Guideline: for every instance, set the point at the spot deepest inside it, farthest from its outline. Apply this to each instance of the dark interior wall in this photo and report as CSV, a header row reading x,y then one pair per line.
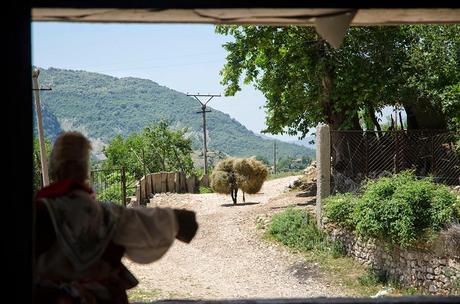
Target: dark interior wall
x,y
16,110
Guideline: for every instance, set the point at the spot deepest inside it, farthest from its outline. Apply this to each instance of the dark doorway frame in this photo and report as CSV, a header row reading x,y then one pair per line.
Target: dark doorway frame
x,y
17,112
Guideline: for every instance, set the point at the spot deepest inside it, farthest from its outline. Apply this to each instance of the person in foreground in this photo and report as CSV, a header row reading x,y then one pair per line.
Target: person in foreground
x,y
80,242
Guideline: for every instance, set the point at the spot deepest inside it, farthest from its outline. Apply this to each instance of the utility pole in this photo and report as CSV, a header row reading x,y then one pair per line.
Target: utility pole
x,y
203,112
274,157
41,140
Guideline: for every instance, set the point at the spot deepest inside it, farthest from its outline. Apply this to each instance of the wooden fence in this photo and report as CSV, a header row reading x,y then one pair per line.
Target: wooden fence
x,y
162,182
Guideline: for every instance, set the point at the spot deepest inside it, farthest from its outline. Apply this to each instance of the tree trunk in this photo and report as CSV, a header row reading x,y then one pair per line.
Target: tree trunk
x,y
422,115
342,149
371,112
337,120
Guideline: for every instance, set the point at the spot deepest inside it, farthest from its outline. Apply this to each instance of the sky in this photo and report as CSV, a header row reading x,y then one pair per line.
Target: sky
x,y
183,57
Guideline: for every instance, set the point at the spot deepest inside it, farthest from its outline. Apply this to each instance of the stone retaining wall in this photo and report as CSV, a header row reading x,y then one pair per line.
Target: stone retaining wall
x,y
420,268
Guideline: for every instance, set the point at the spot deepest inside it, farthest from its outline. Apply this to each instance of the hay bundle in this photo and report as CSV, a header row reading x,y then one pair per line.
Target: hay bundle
x,y
231,174
251,174
225,165
219,182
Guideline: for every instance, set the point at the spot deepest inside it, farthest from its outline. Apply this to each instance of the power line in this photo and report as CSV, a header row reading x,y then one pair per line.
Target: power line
x,y
203,112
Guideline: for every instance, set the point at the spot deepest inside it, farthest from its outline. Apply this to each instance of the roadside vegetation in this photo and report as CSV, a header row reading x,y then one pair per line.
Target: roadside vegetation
x,y
297,229
401,210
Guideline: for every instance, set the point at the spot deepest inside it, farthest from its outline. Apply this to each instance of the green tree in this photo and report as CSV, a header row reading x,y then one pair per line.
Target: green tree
x,y
172,148
263,160
37,170
156,148
290,164
305,81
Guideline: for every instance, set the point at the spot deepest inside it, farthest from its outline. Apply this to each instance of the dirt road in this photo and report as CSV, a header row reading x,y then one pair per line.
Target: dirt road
x,y
228,258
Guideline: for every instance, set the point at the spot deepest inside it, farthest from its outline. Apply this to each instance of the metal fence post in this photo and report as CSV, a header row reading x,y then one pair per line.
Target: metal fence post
x,y
396,157
123,185
367,154
323,168
433,158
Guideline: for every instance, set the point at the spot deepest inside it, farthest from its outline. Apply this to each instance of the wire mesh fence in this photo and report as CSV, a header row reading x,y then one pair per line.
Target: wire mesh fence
x,y
109,185
356,155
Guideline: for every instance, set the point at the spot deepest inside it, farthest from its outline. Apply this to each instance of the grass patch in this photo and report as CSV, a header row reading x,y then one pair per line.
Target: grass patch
x,y
204,190
297,229
346,272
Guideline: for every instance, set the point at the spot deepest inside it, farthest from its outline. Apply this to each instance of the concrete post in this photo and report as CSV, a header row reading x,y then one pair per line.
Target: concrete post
x,y
323,168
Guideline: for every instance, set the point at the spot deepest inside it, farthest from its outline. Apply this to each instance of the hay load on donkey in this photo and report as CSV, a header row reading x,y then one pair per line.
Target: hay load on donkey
x,y
232,174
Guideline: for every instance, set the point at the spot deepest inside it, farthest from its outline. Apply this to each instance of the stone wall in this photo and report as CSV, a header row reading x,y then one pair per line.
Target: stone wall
x,y
423,269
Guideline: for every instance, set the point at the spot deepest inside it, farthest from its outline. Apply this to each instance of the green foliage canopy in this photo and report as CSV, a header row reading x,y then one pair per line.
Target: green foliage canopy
x,y
157,148
305,81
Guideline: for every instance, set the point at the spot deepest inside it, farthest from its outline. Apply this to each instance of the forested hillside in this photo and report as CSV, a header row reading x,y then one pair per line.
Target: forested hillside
x,y
103,106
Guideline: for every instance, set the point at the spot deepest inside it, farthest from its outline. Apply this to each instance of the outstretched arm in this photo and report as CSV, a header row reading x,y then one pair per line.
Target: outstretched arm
x,y
148,233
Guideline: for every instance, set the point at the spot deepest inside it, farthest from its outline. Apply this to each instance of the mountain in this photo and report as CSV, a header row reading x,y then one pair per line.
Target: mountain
x,y
50,123
102,106
308,142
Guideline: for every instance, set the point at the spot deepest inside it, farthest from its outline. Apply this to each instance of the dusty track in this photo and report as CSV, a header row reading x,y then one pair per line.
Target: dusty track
x,y
228,258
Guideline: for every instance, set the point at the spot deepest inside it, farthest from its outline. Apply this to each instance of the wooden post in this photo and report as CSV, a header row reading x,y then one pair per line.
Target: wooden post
x,y
164,182
157,182
191,184
177,182
170,180
148,185
183,182
138,193
204,182
143,195
323,168
41,140
145,176
152,185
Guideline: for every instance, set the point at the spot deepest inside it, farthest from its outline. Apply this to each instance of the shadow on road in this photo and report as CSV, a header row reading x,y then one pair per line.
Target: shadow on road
x,y
240,204
308,203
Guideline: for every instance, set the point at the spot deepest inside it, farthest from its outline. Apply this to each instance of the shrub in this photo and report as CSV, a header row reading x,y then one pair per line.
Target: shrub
x,y
297,229
339,208
204,190
445,206
401,209
457,209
